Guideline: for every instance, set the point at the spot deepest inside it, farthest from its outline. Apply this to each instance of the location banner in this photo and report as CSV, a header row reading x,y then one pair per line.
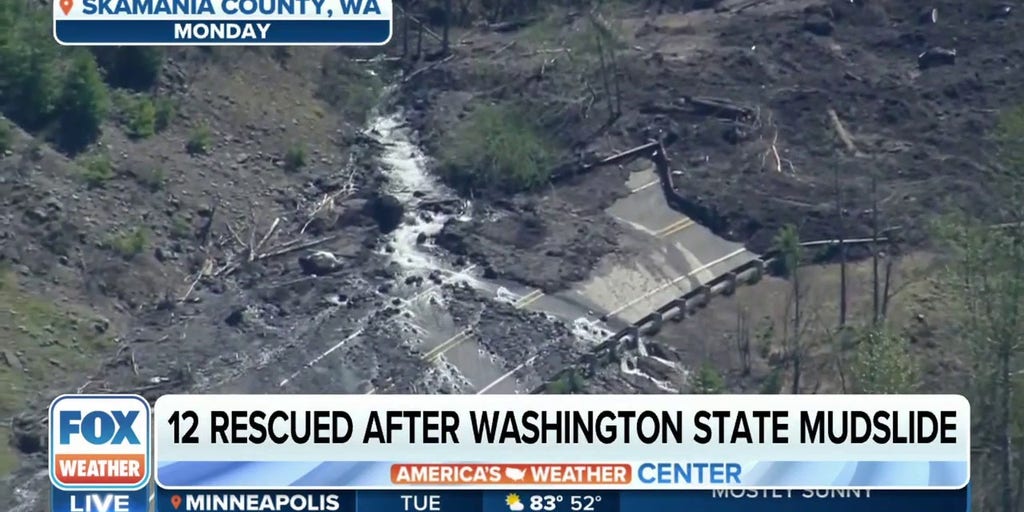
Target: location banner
x,y
222,22
562,501
628,442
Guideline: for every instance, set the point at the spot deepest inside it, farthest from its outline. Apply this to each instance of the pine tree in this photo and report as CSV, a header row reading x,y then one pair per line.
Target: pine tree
x,y
83,104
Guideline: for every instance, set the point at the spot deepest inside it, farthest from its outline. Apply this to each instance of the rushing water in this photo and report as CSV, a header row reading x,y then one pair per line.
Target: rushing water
x,y
410,181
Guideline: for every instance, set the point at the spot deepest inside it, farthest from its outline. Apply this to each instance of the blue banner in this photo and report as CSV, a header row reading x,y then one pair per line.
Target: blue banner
x,y
557,501
222,32
99,501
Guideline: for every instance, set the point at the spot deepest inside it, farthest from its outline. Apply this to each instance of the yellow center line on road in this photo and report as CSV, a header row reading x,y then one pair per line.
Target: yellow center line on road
x,y
645,186
673,282
674,228
528,299
435,353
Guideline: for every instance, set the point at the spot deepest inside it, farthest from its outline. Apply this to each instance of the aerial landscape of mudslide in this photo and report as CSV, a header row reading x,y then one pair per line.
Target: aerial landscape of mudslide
x,y
517,212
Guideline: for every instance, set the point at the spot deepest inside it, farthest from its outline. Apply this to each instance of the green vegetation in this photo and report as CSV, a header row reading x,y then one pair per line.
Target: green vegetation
x,y
882,364
139,117
568,383
129,243
708,381
52,91
496,147
181,228
295,158
83,103
165,112
152,179
30,80
349,88
6,136
131,67
97,170
42,343
199,141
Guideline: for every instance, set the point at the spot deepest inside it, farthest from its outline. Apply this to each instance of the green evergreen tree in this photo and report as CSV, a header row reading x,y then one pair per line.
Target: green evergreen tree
x,y
28,67
83,104
131,67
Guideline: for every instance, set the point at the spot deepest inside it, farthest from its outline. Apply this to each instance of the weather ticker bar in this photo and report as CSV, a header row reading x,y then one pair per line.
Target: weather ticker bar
x,y
464,453
846,500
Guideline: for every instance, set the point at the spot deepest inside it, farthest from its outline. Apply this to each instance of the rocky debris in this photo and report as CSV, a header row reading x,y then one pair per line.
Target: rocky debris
x,y
27,434
819,25
386,210
935,57
236,317
320,263
1001,11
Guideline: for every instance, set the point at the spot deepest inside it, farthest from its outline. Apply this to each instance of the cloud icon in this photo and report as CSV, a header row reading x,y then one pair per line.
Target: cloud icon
x,y
517,506
514,474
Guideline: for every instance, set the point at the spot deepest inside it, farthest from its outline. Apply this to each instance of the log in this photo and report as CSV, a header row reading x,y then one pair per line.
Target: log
x,y
717,107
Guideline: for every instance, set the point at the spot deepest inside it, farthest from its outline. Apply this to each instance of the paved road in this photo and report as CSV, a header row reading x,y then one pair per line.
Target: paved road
x,y
668,255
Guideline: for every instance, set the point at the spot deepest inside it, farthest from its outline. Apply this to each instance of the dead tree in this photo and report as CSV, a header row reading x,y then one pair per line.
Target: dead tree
x,y
840,218
876,302
605,38
405,29
445,43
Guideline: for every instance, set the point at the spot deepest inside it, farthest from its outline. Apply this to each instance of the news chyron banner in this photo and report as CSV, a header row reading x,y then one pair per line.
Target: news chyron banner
x,y
222,22
498,453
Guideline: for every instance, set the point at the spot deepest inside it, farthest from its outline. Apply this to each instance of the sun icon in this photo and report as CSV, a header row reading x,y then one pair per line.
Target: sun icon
x,y
513,502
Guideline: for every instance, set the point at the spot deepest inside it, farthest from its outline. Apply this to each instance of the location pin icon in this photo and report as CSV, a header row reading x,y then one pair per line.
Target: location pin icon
x,y
175,500
66,5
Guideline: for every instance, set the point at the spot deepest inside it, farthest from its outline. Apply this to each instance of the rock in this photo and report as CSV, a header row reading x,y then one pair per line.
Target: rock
x,y
236,318
936,56
36,216
160,254
819,25
386,210
100,325
319,263
421,238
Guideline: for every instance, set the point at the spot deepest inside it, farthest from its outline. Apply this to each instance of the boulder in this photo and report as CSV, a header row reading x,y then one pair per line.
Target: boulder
x,y
386,210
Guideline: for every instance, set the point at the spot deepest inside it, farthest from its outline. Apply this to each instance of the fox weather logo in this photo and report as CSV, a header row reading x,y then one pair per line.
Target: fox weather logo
x,y
99,442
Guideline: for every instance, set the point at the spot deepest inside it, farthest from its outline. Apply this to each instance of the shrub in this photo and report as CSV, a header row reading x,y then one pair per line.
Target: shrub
x,y
295,158
153,179
165,112
199,141
97,170
140,118
496,147
129,244
708,381
83,103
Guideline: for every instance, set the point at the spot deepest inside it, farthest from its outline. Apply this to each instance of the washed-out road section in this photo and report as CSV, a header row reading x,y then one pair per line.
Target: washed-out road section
x,y
429,345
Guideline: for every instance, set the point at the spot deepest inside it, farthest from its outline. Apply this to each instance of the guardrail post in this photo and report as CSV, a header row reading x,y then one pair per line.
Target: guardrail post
x,y
730,284
679,306
653,324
